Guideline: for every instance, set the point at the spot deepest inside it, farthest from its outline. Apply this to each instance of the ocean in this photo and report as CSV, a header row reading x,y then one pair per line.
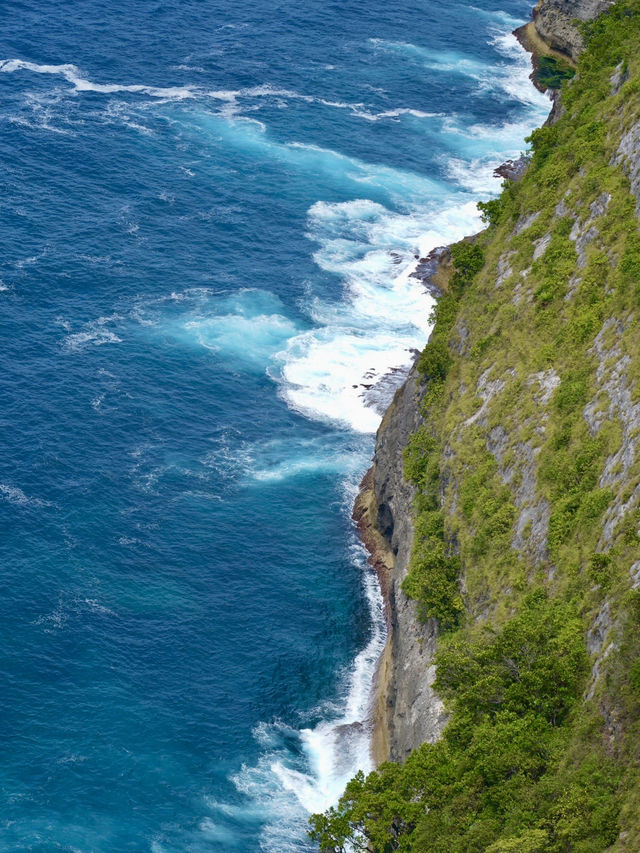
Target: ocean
x,y
210,217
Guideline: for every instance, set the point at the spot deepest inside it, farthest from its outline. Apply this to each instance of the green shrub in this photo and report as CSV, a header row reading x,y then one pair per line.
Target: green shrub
x,y
533,841
492,782
434,570
600,569
552,72
634,678
435,360
491,211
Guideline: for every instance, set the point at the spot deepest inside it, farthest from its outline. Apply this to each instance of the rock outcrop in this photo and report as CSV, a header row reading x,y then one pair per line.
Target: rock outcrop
x,y
408,712
554,22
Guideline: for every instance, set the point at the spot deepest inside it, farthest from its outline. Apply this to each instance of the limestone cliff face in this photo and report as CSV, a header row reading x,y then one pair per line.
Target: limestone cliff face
x,y
408,711
554,19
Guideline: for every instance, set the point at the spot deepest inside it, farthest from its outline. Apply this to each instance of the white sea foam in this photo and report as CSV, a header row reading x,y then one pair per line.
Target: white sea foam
x,y
69,609
235,102
309,459
183,67
359,109
15,495
244,328
515,75
217,833
243,338
324,372
511,77
94,333
305,770
54,621
250,464
327,368
451,62
343,171
94,606
73,75
328,371
395,113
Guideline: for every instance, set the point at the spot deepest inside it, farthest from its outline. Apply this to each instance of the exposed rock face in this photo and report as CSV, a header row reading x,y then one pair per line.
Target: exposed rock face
x,y
615,400
512,170
408,712
434,271
584,233
628,159
554,22
619,78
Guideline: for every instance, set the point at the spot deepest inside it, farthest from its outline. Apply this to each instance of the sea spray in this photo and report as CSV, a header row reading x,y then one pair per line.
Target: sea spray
x,y
305,770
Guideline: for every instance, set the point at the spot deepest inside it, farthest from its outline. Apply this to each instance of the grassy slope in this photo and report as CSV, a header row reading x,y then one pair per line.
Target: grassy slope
x,y
540,656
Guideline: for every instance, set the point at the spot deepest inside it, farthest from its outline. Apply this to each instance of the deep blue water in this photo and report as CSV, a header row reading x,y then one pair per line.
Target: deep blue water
x,y
209,216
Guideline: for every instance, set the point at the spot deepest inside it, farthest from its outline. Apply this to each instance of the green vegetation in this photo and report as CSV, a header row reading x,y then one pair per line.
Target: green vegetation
x,y
527,510
491,211
435,359
552,72
493,781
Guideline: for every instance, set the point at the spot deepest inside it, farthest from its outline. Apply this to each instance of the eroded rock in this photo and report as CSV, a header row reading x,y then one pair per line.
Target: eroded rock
x,y
584,233
408,712
614,400
627,157
554,22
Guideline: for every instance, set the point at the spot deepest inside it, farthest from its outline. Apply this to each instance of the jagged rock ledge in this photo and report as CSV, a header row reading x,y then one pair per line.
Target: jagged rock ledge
x,y
553,23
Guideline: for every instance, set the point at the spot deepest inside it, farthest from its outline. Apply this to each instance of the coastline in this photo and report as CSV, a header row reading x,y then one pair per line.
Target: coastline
x,y
534,44
405,710
523,528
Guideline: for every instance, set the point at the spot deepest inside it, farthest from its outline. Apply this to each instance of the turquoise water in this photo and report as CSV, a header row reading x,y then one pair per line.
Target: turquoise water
x,y
210,215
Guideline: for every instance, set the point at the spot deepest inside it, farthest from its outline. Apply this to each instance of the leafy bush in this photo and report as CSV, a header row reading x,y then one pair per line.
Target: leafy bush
x,y
435,359
491,211
434,572
552,72
468,260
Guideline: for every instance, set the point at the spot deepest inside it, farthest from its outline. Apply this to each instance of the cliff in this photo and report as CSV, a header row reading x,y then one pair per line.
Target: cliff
x,y
554,22
503,507
407,711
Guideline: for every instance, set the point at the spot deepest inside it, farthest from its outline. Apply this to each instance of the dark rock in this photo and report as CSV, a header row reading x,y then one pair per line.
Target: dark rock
x,y
512,170
431,270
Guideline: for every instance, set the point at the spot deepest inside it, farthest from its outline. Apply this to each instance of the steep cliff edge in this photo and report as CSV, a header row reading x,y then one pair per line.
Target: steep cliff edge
x,y
516,445
407,711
